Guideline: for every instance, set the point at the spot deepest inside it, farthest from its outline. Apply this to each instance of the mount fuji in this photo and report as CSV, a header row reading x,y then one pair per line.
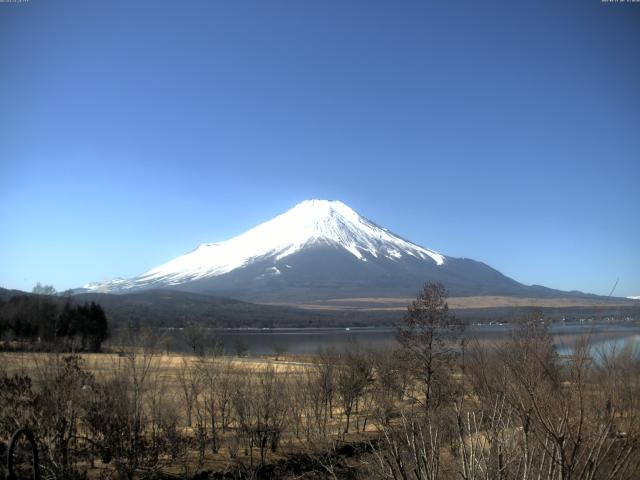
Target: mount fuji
x,y
317,251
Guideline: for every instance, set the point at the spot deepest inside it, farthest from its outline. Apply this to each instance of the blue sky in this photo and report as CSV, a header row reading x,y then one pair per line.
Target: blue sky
x,y
507,132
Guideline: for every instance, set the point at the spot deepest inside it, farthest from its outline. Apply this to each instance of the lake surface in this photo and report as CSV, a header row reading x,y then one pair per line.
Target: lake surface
x,y
305,341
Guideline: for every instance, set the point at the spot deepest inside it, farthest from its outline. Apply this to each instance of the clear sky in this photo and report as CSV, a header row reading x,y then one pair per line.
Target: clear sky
x,y
507,132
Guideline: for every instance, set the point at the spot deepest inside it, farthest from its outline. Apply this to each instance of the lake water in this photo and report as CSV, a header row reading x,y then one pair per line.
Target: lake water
x,y
304,341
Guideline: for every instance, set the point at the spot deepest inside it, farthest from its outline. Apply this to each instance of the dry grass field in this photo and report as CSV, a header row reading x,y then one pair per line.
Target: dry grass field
x,y
170,381
392,304
145,413
103,365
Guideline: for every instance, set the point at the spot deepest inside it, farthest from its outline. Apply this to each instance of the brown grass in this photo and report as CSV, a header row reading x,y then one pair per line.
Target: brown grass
x,y
400,303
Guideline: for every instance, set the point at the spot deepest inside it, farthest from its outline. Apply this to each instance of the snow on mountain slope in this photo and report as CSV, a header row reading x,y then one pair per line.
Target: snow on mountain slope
x,y
312,222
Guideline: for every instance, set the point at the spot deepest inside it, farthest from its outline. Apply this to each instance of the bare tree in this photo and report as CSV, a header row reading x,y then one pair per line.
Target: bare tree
x,y
60,401
539,416
215,379
410,450
261,411
353,375
427,337
120,421
202,339
189,382
241,347
280,350
326,361
391,381
40,289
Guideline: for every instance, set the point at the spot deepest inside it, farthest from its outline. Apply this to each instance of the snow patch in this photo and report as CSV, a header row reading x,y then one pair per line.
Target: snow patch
x,y
273,271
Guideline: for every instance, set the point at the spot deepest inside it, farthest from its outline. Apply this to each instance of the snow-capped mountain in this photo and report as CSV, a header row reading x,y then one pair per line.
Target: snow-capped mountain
x,y
319,249
310,223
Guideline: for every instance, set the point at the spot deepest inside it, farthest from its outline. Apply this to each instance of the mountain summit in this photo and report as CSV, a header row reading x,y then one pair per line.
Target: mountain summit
x,y
319,249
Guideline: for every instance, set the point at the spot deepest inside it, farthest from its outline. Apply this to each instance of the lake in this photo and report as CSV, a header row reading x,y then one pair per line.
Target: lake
x,y
305,341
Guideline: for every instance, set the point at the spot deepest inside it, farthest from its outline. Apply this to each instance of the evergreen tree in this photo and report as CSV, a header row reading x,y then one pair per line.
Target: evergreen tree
x,y
97,327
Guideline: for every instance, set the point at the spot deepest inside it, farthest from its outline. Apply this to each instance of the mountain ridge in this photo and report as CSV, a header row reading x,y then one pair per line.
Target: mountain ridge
x,y
320,249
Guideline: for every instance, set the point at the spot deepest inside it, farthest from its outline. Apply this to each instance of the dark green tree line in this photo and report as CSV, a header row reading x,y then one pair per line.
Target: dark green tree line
x,y
45,320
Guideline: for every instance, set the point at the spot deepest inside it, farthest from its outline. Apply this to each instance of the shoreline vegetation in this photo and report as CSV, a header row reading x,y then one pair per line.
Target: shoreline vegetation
x,y
441,404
